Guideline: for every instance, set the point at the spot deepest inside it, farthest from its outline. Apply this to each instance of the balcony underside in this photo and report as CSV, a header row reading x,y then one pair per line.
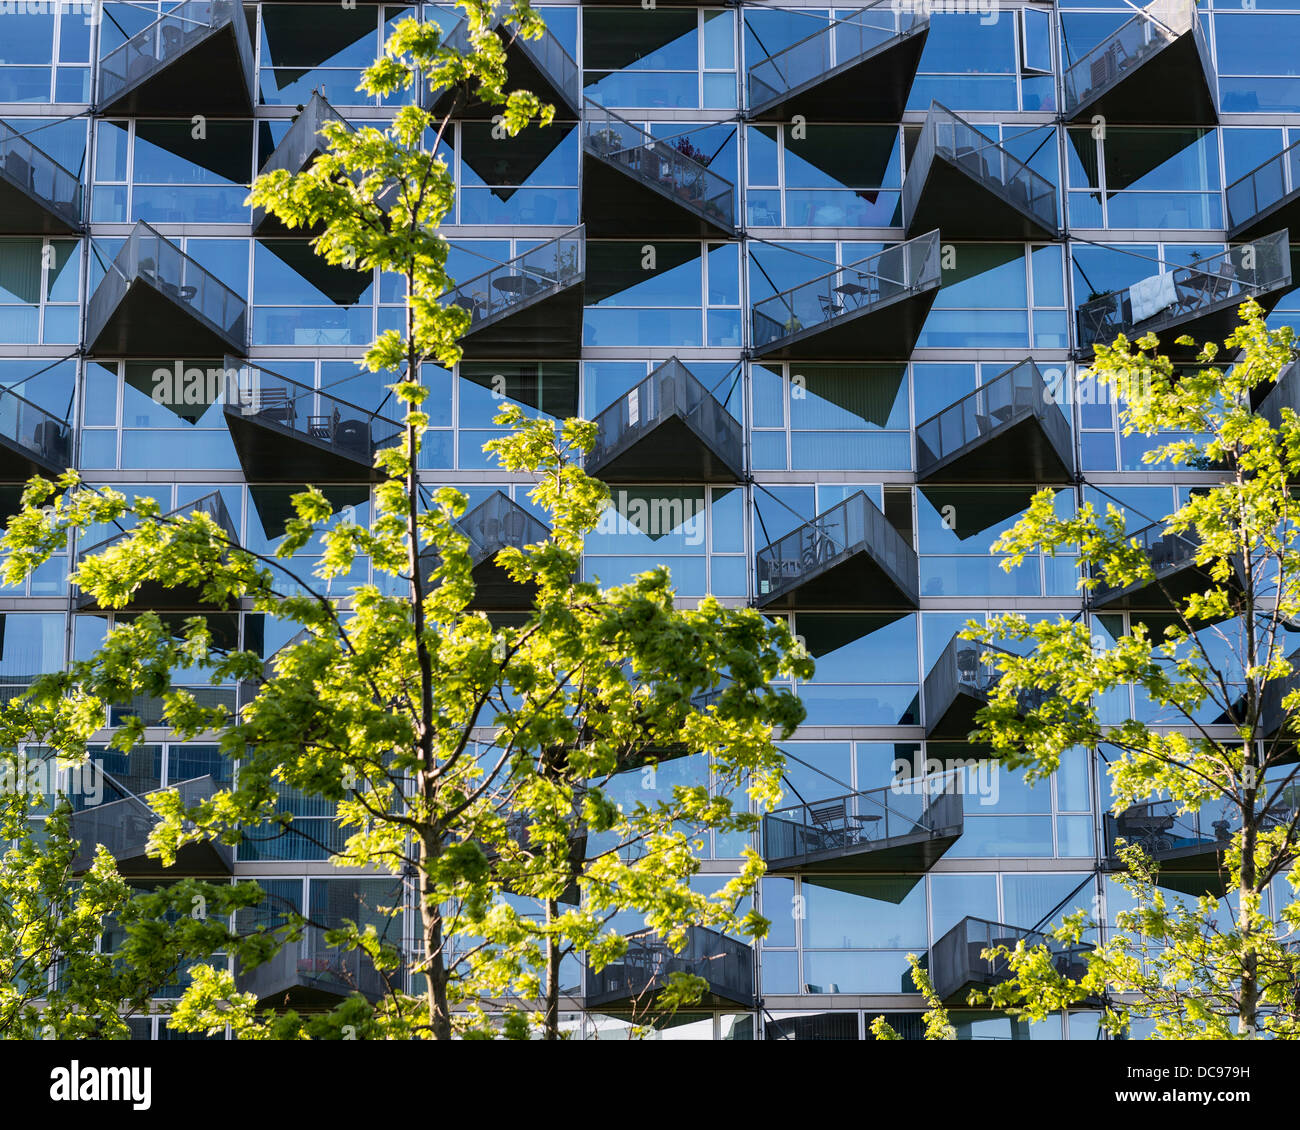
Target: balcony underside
x,y
209,78
616,202
672,451
1167,592
551,327
133,863
148,323
869,88
639,1000
273,453
886,332
493,589
1170,88
957,719
299,990
962,206
25,213
918,851
853,580
157,597
1283,213
1018,450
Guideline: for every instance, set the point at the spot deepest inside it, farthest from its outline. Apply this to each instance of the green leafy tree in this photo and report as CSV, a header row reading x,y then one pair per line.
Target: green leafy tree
x,y
477,757
1211,666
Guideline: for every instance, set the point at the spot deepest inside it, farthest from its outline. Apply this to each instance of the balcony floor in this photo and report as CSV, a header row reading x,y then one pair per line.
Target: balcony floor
x,y
548,328
962,206
872,87
673,451
1017,451
1170,88
916,852
853,580
148,323
208,78
616,202
270,452
886,332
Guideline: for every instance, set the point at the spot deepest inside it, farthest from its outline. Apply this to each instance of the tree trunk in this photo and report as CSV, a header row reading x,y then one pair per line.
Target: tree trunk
x,y
435,967
551,1020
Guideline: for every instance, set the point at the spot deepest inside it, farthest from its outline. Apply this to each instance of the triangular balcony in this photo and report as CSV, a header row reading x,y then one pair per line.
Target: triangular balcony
x,y
969,187
529,308
960,683
956,966
124,826
286,432
155,301
540,65
847,557
865,311
856,69
889,829
1200,300
199,55
496,523
1155,70
311,974
668,428
633,184
1183,841
633,981
1009,430
1278,726
1266,198
154,595
1176,574
298,148
32,441
38,196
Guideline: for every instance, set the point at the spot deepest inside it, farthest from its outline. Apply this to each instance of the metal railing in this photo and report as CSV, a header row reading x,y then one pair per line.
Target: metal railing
x,y
1264,186
860,822
855,525
658,164
1214,283
499,523
1159,829
991,407
839,43
1136,41
958,142
727,964
524,280
213,505
866,284
962,668
303,138
312,964
39,175
547,54
1285,393
671,389
124,825
312,414
152,258
167,39
956,961
43,436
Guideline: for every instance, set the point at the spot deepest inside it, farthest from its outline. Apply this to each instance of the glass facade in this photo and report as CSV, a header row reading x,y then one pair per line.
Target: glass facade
x,y
741,178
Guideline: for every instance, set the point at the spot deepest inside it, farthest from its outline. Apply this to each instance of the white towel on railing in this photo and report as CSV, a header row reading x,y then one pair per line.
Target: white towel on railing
x,y
1151,295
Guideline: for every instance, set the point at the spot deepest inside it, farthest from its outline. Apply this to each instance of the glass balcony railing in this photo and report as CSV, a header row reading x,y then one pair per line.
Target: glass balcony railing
x,y
1112,62
855,528
856,826
848,292
1285,393
659,165
1167,835
177,35
302,142
838,46
543,58
523,281
1277,724
1264,190
956,963
961,145
213,505
670,393
124,826
1176,573
314,972
961,439
499,523
151,260
1183,297
41,179
727,964
39,440
335,433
